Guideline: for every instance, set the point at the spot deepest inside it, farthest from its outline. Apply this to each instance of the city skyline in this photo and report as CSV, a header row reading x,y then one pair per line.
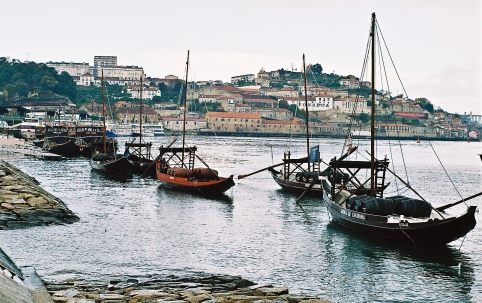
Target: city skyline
x,y
435,44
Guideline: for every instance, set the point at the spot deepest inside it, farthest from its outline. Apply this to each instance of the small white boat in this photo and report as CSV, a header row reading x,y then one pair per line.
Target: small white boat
x,y
156,129
145,133
124,130
26,129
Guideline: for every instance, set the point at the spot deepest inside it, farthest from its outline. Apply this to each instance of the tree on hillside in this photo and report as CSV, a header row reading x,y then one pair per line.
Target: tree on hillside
x,y
317,69
169,94
297,112
18,79
363,118
283,104
425,104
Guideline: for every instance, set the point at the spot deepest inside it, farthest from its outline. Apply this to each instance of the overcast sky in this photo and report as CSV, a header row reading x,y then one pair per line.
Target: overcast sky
x,y
435,44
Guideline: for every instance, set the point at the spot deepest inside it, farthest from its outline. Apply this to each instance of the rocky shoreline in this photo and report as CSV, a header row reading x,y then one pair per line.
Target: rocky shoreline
x,y
195,289
23,203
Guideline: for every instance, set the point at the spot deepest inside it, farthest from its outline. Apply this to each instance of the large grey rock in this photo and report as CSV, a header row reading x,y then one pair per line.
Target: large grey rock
x,y
4,192
10,198
150,294
7,206
67,293
8,217
17,201
271,291
38,202
18,224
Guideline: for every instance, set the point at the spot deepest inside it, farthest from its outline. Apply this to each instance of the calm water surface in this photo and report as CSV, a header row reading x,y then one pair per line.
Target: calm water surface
x,y
134,227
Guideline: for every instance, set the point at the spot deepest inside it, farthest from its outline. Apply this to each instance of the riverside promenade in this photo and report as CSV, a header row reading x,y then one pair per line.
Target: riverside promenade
x,y
24,203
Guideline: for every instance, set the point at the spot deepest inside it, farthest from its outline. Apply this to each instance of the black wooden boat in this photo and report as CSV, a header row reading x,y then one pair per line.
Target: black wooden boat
x,y
361,206
298,175
139,153
63,146
91,138
294,178
432,230
109,162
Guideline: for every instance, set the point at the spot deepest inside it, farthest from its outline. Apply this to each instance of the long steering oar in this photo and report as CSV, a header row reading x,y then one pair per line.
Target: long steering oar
x,y
442,208
258,171
306,190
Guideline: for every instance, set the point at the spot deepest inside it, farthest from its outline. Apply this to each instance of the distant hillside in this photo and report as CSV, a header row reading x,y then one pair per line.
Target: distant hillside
x,y
23,80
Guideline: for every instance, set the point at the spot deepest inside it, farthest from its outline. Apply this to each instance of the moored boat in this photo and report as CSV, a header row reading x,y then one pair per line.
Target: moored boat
x,y
299,175
105,161
25,129
139,153
201,180
62,146
430,229
175,166
354,195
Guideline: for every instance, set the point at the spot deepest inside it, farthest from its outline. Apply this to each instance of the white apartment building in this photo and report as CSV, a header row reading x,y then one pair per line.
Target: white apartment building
x,y
122,72
85,80
282,92
73,69
147,92
349,105
101,62
245,78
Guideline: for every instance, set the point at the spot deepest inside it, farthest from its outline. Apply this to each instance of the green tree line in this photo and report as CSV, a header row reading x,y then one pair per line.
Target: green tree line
x,y
19,79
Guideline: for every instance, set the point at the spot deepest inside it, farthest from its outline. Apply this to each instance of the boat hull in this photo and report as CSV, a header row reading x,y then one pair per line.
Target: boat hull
x,y
431,232
142,165
204,187
295,186
66,149
117,166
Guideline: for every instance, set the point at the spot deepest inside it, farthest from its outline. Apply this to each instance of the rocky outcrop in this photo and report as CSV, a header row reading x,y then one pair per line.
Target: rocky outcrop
x,y
23,203
203,288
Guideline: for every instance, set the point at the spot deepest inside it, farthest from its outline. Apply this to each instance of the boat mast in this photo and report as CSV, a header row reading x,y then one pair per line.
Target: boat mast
x,y
140,119
372,127
184,119
103,112
307,118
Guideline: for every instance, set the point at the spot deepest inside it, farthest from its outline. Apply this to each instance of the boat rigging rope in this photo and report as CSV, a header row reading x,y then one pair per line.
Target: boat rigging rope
x,y
382,60
447,173
362,76
390,56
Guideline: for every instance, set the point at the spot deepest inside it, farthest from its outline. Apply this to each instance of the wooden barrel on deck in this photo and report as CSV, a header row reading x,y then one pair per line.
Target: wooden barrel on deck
x,y
199,173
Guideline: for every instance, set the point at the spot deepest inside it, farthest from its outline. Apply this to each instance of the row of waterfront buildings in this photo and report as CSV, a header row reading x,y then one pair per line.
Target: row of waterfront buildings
x,y
261,108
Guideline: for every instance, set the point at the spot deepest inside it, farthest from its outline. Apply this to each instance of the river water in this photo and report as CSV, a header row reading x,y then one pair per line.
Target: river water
x,y
134,227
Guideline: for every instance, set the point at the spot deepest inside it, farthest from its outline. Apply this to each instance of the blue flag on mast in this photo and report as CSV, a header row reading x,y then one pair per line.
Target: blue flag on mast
x,y
315,154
